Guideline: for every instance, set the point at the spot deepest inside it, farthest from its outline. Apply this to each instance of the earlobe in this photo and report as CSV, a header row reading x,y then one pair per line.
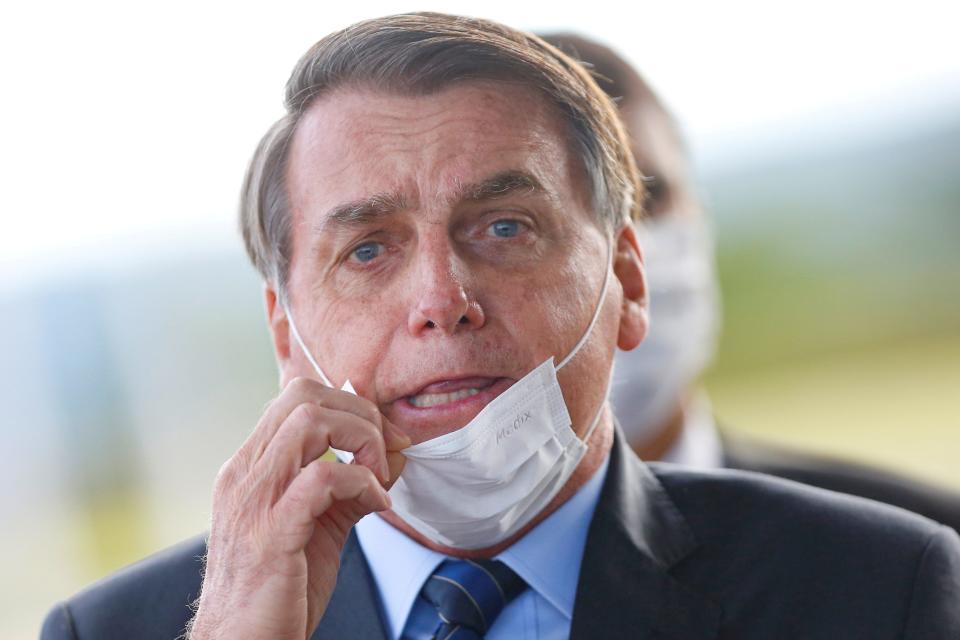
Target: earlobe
x,y
628,267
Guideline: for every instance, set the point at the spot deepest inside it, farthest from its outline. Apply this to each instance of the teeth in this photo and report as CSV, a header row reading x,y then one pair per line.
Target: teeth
x,y
433,399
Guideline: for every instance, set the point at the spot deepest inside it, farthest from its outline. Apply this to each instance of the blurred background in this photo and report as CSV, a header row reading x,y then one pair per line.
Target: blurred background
x,y
135,357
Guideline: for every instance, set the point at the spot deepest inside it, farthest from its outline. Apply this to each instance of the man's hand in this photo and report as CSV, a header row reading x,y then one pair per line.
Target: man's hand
x,y
281,515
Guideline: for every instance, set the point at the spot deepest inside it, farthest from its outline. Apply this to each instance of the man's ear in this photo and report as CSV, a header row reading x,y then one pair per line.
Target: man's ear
x,y
279,330
628,267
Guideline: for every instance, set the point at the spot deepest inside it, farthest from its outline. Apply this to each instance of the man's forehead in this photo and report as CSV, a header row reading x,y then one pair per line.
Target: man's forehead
x,y
480,114
489,95
357,143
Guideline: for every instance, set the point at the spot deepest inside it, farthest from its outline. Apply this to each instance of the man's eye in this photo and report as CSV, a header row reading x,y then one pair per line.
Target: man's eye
x,y
505,228
367,251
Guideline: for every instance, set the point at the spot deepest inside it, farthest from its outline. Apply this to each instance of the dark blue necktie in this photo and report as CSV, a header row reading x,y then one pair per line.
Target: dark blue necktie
x,y
469,595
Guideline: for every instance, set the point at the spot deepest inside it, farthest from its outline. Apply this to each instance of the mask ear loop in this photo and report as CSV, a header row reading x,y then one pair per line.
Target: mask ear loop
x,y
596,313
596,418
583,339
343,456
303,347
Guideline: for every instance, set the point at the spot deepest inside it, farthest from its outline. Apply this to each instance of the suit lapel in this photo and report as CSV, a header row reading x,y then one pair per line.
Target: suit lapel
x,y
354,609
636,536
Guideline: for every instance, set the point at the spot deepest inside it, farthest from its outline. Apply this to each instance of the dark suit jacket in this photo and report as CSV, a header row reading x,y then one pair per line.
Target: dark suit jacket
x,y
670,554
741,452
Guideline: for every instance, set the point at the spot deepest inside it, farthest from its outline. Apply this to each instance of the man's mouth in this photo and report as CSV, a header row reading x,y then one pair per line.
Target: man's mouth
x,y
444,405
453,392
425,400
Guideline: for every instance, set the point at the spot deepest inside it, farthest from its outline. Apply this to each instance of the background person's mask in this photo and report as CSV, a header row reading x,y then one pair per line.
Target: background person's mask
x,y
479,485
684,322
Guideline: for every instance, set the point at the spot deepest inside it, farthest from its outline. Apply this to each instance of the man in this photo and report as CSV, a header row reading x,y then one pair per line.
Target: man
x,y
655,395
443,223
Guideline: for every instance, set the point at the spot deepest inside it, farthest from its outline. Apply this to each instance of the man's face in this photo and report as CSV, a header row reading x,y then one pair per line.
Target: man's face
x,y
442,247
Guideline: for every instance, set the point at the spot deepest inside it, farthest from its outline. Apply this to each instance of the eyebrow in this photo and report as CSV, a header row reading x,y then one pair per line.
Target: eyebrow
x,y
365,210
501,185
368,210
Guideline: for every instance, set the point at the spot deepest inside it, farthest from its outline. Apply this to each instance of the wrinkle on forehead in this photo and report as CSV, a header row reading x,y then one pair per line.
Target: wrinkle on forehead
x,y
355,143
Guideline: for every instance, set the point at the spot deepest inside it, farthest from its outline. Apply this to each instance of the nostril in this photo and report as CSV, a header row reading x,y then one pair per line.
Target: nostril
x,y
430,324
463,320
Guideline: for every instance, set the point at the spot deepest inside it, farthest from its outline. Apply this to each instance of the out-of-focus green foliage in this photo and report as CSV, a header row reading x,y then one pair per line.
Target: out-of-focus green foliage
x,y
839,249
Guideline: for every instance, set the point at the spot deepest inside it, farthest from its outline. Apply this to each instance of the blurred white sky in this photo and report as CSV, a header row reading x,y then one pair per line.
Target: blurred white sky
x,y
126,126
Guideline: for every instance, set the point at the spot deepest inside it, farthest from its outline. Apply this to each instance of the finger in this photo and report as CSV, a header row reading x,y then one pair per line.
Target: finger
x,y
311,429
395,439
396,462
297,392
318,486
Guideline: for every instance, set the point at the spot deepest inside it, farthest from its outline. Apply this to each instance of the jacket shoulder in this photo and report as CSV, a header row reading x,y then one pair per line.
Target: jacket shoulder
x,y
835,474
717,501
774,548
149,599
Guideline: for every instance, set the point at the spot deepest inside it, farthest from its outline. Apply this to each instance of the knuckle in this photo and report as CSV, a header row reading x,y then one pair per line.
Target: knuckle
x,y
373,483
302,385
366,475
307,413
322,473
372,439
227,476
295,497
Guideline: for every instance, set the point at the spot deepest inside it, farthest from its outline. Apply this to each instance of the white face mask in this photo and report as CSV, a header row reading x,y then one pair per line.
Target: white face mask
x,y
477,486
684,319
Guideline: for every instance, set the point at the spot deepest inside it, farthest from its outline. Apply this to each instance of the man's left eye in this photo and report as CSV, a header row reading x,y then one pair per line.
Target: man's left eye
x,y
505,228
367,251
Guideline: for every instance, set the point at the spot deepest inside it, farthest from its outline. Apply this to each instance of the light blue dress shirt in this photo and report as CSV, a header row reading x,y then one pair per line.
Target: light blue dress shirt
x,y
547,558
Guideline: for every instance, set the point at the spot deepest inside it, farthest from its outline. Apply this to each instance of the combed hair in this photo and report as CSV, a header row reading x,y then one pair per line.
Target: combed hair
x,y
420,54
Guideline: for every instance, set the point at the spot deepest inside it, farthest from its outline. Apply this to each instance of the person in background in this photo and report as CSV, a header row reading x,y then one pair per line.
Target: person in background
x,y
656,395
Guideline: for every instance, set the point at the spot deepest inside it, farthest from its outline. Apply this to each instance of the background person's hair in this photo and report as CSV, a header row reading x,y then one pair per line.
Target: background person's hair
x,y
418,54
632,95
617,77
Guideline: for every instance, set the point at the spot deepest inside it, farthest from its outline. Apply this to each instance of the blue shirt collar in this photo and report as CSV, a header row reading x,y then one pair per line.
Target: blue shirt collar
x,y
563,535
400,565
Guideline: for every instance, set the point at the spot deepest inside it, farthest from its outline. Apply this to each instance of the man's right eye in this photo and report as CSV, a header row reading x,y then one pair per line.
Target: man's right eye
x,y
367,251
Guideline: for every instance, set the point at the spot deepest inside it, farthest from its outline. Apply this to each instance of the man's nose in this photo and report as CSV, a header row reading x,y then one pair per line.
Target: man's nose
x,y
443,298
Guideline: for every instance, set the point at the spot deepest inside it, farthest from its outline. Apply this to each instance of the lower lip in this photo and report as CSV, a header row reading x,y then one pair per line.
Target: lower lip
x,y
454,408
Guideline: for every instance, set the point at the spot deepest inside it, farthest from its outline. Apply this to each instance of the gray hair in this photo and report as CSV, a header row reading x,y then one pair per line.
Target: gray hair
x,y
419,54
